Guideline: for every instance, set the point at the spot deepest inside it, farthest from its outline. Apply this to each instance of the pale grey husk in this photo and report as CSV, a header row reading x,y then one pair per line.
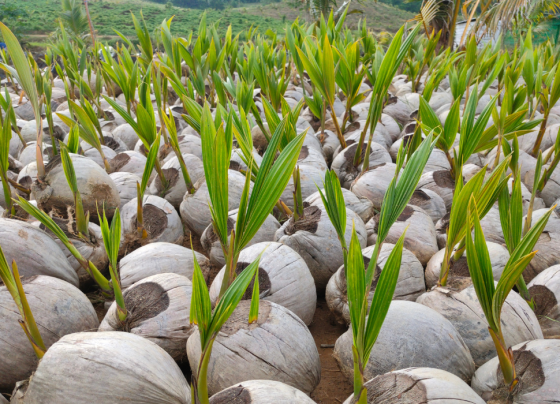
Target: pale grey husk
x,y
127,368
126,183
360,205
373,184
291,283
519,323
410,283
545,290
419,386
499,257
310,177
538,368
430,202
171,327
194,209
173,230
278,347
159,258
213,247
412,335
95,186
548,254
420,237
343,163
59,309
35,252
135,163
175,193
439,182
261,392
321,248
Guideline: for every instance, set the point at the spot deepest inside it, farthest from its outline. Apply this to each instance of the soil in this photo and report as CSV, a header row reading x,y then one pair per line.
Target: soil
x,y
334,388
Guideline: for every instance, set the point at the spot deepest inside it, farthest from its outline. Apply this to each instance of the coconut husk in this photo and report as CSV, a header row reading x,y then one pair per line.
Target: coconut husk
x,y
309,178
34,251
343,163
194,209
158,309
548,254
519,323
412,335
430,202
361,206
58,308
418,385
126,134
374,183
161,222
315,240
93,154
441,182
260,392
420,237
459,275
159,258
284,279
95,186
130,162
545,291
236,162
277,347
126,183
537,368
176,188
410,283
312,157
329,143
397,110
211,243
127,368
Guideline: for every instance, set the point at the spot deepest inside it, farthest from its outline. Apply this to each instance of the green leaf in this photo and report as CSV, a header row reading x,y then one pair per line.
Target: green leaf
x,y
201,306
150,162
255,300
355,283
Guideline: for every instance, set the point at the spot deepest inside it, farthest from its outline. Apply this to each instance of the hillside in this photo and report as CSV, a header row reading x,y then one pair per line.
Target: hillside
x,y
109,14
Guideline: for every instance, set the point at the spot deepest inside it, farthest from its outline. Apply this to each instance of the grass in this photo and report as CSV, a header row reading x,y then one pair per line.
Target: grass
x,y
109,14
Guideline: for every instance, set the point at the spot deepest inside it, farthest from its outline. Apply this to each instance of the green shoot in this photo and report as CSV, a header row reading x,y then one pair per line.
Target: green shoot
x,y
82,219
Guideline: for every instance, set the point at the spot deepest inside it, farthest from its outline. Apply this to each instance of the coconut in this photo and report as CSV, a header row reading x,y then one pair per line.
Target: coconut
x,y
126,134
277,347
96,187
126,183
419,386
329,143
459,275
130,162
374,183
161,221
195,211
93,154
545,291
284,278
159,258
492,227
397,110
410,283
463,309
260,392
343,163
315,239
176,187
553,224
360,205
238,164
213,247
420,237
538,370
158,309
27,176
34,251
189,144
29,153
91,248
310,177
430,202
59,309
439,182
412,335
547,255
127,368
260,141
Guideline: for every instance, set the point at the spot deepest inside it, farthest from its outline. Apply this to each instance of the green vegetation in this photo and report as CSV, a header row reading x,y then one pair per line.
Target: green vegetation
x,y
42,17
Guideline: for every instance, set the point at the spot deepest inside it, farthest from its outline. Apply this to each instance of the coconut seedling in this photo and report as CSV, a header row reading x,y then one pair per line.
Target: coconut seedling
x,y
367,321
12,282
22,73
5,137
548,96
485,195
492,297
270,181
